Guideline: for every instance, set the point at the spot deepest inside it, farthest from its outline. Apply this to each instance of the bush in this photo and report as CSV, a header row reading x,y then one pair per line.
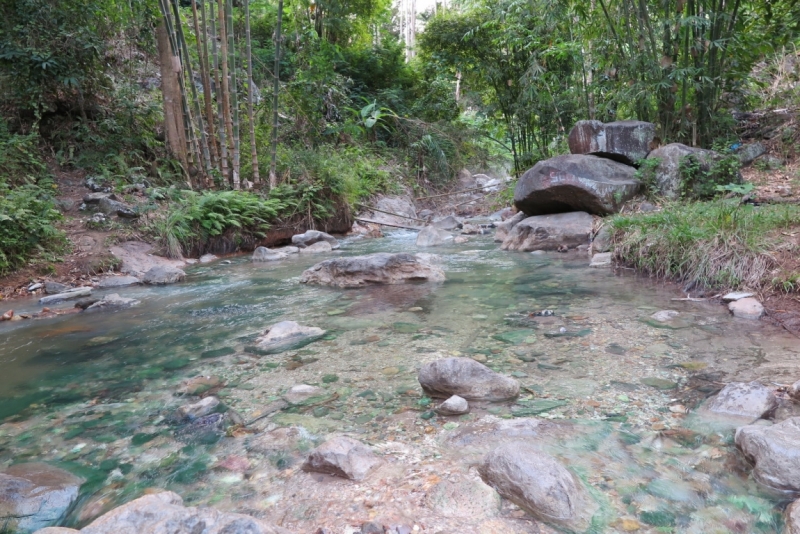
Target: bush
x,y
20,158
700,178
27,225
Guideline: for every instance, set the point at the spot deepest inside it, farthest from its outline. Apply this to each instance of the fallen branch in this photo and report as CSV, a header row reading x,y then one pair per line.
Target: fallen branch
x,y
457,192
387,224
395,214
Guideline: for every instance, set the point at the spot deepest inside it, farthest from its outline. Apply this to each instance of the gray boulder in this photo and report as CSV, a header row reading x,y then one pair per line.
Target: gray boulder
x,y
603,259
667,174
623,141
752,400
343,457
504,228
53,288
775,452
455,405
112,302
747,308
792,518
380,268
265,254
97,196
549,232
466,378
74,293
448,223
431,236
540,485
401,206
117,281
287,335
749,152
601,242
314,236
34,496
114,207
575,183
162,275
470,229
320,247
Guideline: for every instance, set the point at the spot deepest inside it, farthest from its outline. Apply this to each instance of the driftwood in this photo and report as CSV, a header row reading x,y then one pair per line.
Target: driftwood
x,y
387,224
368,208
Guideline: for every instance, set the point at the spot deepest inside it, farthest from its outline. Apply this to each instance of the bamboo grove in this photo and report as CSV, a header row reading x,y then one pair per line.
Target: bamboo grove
x,y
205,135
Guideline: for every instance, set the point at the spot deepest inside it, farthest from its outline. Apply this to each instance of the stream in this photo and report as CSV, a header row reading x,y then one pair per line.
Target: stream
x,y
96,393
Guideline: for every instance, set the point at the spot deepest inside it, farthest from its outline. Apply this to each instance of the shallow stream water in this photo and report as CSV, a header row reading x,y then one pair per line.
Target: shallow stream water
x,y
96,394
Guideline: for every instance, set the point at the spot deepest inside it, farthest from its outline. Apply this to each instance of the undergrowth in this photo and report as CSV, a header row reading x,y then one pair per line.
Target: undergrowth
x,y
719,243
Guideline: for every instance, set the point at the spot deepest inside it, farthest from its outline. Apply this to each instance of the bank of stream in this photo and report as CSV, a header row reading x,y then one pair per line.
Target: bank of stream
x,y
609,386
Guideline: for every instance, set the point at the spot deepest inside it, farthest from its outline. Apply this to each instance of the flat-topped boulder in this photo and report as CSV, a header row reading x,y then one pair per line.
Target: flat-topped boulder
x,y
162,275
623,141
550,232
34,496
379,268
576,183
314,236
752,400
466,378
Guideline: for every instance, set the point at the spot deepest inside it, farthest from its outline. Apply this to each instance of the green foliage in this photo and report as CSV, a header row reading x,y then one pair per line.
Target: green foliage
x,y
20,158
736,189
27,225
646,173
700,177
716,244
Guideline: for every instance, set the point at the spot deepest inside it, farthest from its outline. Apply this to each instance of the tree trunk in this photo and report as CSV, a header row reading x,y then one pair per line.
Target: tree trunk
x,y
226,102
223,141
171,92
232,86
202,53
273,176
250,114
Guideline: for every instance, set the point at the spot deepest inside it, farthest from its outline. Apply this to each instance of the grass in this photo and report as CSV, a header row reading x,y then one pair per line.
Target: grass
x,y
716,244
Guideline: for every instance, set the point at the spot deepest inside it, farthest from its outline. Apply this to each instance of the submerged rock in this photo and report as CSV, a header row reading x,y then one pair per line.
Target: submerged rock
x,y
455,405
34,496
163,275
624,141
747,308
380,268
343,457
431,236
575,183
302,392
112,302
265,254
550,232
664,316
198,409
287,335
311,237
540,485
775,452
752,400
466,378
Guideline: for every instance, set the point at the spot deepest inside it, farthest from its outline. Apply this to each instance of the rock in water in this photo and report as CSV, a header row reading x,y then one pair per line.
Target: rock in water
x,y
320,247
74,293
623,141
601,242
601,260
455,405
746,400
164,513
575,183
117,281
302,392
550,232
34,496
540,485
505,227
665,316
668,173
380,268
54,288
402,207
112,302
198,409
265,254
448,223
314,236
775,451
466,378
747,308
342,457
287,335
792,518
162,275
431,236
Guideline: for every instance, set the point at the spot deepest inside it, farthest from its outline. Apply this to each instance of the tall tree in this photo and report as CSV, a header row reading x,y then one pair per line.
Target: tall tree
x,y
273,176
250,94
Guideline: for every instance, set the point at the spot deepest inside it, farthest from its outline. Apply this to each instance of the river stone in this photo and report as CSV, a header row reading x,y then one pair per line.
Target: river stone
x,y
302,392
752,400
794,391
470,229
775,452
265,254
668,174
575,183
401,206
460,496
198,409
54,288
624,141
540,485
320,247
602,241
505,227
448,223
664,316
34,496
287,335
602,259
113,302
117,281
288,250
208,258
314,236
455,405
380,268
466,378
431,236
164,513
747,308
343,457
792,518
549,232
69,294
162,275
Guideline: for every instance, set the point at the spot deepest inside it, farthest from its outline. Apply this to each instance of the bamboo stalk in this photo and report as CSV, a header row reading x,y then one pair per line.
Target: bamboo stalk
x,y
273,176
233,89
202,52
250,114
223,141
226,103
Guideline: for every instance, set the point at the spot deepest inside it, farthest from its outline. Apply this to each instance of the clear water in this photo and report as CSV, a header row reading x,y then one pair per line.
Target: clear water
x,y
96,394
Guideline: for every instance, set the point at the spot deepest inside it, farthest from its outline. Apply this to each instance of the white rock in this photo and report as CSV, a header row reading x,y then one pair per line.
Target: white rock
x,y
747,308
455,405
736,295
199,409
602,259
287,335
208,258
664,316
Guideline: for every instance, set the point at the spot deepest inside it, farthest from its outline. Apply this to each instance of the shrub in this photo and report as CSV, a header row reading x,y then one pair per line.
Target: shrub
x,y
700,177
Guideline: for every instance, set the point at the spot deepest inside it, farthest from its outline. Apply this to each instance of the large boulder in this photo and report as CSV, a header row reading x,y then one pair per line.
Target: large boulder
x,y
623,141
343,457
752,400
667,174
402,207
775,451
432,236
380,268
540,485
287,335
164,513
792,518
504,228
575,183
466,378
34,496
550,232
163,274
314,236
